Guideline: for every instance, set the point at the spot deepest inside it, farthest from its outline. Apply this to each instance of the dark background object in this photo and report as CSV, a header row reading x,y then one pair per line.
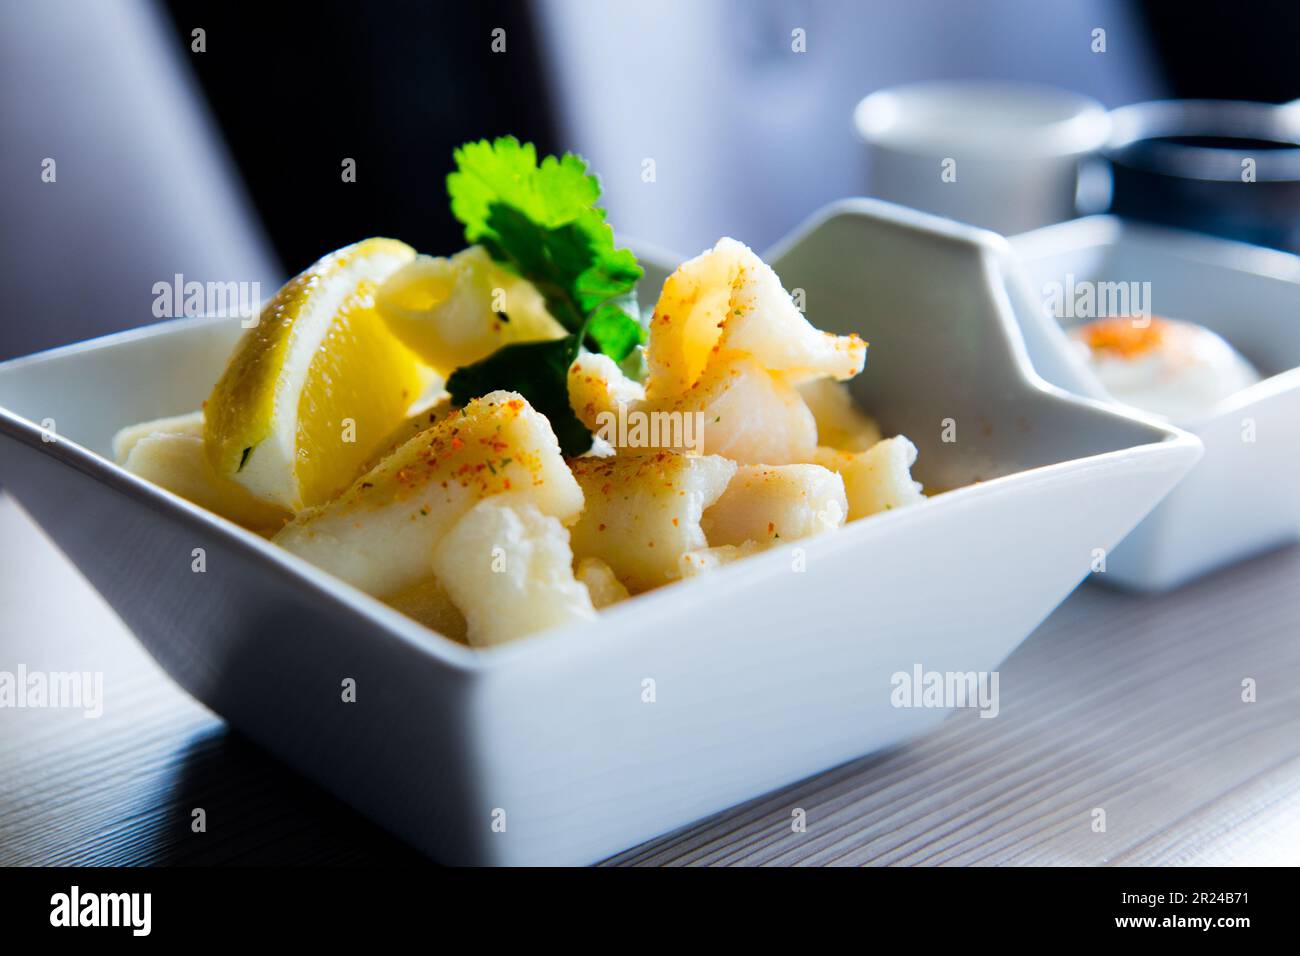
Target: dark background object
x,y
1217,49
226,165
1225,49
298,88
1216,166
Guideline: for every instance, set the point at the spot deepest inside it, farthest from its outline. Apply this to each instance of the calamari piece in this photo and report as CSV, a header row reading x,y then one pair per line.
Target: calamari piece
x,y
379,535
765,322
687,322
643,511
422,417
878,479
598,387
453,312
126,438
429,603
729,300
695,563
840,423
770,503
602,583
508,567
744,413
176,460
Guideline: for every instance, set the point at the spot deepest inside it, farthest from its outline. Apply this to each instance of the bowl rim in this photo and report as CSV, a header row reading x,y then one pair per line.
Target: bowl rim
x,y
1083,126
1137,131
481,662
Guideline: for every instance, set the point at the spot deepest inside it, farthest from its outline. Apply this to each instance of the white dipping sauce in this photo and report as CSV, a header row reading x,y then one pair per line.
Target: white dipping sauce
x,y
1177,369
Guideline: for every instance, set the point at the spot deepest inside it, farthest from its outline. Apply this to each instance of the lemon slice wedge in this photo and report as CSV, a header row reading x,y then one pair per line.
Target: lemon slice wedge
x,y
316,384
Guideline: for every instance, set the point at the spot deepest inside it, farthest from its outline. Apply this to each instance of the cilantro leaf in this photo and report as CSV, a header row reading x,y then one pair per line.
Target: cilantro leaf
x,y
539,372
541,220
506,171
609,325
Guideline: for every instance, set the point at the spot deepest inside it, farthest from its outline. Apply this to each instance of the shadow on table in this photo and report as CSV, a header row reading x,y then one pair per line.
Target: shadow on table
x,y
260,813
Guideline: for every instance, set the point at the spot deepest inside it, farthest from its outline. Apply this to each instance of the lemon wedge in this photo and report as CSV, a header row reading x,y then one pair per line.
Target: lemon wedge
x,y
316,384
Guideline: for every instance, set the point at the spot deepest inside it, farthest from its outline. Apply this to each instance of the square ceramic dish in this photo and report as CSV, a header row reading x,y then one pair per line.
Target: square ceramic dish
x,y
1244,496
763,674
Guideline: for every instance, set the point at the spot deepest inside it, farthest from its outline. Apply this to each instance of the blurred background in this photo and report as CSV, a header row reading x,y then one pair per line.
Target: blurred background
x,y
217,154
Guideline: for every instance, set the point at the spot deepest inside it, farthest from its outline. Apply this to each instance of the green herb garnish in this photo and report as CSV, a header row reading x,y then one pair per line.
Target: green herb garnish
x,y
539,371
542,222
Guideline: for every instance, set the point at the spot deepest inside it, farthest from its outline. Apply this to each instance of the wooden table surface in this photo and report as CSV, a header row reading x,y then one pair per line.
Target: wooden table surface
x,y
1128,705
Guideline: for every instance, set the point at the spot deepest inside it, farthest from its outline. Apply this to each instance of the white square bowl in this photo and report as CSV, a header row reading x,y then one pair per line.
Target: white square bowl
x,y
1244,496
763,674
